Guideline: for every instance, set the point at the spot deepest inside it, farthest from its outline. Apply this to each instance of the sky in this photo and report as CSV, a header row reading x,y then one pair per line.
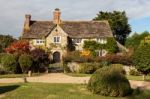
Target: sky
x,y
12,12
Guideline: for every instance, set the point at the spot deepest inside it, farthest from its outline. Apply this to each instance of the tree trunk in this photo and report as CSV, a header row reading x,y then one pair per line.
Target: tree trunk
x,y
143,77
24,78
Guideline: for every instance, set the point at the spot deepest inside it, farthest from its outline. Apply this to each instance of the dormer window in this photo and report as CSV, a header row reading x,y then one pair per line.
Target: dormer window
x,y
57,39
78,40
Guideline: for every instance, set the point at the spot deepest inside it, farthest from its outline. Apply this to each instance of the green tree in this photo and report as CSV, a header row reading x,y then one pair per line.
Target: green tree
x,y
135,39
9,62
118,22
141,59
5,41
25,62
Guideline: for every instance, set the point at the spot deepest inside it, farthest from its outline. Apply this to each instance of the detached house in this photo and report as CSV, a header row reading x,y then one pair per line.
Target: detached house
x,y
57,34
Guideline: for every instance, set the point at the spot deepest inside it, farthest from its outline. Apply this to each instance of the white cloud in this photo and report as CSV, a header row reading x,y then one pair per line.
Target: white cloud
x,y
13,11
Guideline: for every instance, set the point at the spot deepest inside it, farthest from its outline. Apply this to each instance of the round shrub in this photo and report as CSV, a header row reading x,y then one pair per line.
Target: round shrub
x,y
9,62
25,62
108,81
119,68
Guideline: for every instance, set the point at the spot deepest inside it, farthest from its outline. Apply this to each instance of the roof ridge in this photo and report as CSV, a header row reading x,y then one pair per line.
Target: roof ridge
x,y
41,21
85,21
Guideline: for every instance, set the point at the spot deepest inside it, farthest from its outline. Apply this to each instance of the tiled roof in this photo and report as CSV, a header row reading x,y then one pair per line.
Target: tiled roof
x,y
74,29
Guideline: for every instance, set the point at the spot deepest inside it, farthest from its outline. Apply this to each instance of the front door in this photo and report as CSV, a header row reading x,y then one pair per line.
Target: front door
x,y
56,57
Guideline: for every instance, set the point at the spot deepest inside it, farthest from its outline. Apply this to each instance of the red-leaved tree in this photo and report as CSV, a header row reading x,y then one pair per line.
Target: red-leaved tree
x,y
19,47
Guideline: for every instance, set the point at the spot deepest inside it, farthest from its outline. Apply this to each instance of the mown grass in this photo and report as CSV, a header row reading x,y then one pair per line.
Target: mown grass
x,y
78,75
57,91
138,78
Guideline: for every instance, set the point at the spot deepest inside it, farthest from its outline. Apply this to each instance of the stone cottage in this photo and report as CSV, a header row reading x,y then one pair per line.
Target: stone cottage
x,y
58,34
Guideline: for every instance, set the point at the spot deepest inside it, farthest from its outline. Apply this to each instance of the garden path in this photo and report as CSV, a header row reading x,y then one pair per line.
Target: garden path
x,y
63,78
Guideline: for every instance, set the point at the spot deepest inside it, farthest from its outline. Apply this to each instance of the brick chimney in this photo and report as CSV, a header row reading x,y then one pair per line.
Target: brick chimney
x,y
56,16
27,22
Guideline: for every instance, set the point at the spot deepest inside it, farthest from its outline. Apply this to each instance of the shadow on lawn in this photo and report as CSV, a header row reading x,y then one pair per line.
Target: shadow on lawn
x,y
140,94
4,89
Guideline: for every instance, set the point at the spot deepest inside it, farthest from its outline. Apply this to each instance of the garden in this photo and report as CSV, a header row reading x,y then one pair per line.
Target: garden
x,y
109,75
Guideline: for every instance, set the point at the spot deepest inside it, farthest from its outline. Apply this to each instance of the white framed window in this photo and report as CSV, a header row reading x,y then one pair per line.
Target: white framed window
x,y
40,41
57,39
78,40
102,40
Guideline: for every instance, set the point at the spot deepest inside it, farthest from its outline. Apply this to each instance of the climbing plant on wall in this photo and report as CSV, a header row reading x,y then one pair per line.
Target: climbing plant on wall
x,y
110,46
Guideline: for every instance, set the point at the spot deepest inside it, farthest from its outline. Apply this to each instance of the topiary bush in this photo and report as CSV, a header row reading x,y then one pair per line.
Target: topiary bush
x,y
108,81
119,68
9,63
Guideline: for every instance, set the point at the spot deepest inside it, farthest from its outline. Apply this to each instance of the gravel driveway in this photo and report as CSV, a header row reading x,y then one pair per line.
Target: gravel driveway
x,y
62,78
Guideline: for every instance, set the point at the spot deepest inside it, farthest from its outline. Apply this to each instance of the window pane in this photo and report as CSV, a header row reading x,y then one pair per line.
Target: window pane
x,y
55,39
37,41
41,41
77,40
58,39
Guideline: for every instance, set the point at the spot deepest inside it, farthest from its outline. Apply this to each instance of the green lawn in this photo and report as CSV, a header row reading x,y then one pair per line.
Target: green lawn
x,y
138,78
17,75
78,74
56,91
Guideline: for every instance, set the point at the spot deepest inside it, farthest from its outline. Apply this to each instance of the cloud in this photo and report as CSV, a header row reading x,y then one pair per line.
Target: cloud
x,y
13,11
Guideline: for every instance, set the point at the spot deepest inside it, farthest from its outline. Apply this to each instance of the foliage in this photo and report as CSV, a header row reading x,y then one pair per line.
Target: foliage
x,y
66,68
118,22
119,59
119,68
108,81
41,59
145,41
141,59
110,46
89,68
9,63
105,60
25,62
19,47
135,39
2,55
86,53
75,56
5,41
134,72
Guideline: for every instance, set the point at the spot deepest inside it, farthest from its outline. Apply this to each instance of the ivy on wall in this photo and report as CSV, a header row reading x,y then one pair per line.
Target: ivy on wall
x,y
110,46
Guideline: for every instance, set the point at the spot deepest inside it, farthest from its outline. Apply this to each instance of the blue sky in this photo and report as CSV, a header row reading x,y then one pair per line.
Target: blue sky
x,y
13,12
140,25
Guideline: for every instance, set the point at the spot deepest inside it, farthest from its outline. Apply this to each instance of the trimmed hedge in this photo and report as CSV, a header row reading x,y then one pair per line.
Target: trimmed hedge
x,y
108,81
